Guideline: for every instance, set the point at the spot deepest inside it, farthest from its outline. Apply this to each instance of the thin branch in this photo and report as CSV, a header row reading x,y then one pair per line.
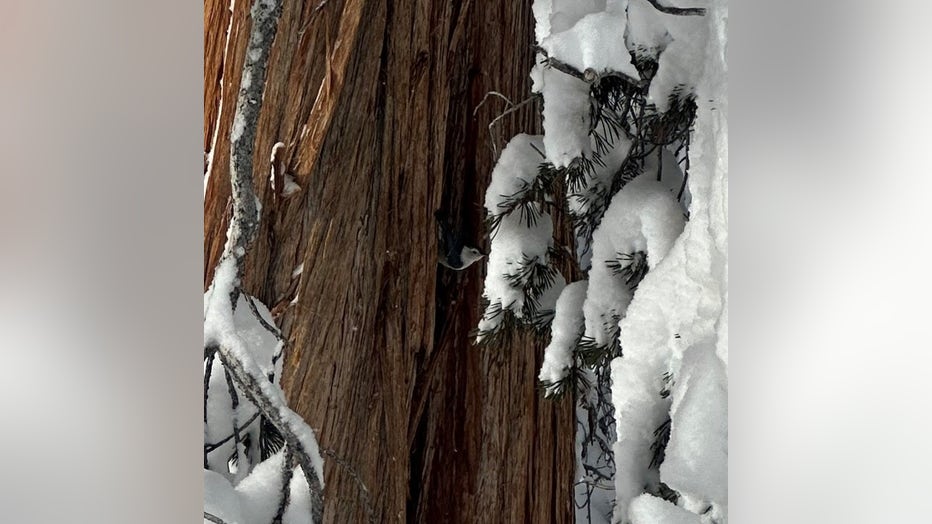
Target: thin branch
x,y
255,311
682,11
512,110
209,448
240,460
590,76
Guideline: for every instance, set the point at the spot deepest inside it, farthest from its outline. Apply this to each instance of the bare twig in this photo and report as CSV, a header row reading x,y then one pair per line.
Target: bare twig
x,y
486,97
590,76
255,311
683,11
209,448
509,109
512,109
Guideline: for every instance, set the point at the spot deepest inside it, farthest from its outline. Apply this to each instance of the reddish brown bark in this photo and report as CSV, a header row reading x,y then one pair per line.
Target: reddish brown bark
x,y
373,101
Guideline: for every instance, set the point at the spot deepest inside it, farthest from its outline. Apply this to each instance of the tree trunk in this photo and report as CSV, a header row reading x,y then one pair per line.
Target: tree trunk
x,y
374,103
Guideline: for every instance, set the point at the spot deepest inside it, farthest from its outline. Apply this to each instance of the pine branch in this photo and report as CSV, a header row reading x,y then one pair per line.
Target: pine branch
x,y
631,266
659,446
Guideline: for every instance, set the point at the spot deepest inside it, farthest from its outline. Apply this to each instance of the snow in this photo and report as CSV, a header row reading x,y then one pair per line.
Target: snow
x,y
648,509
566,123
672,330
217,305
239,126
671,175
595,42
259,493
677,324
697,454
242,337
599,181
680,42
255,499
516,170
220,499
565,332
644,217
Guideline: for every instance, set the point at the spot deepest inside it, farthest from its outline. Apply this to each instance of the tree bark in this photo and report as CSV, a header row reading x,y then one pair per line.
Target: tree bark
x,y
374,103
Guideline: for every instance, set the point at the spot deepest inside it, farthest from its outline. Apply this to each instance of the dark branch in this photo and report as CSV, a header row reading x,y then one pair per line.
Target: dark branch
x,y
683,11
285,496
213,518
209,448
590,76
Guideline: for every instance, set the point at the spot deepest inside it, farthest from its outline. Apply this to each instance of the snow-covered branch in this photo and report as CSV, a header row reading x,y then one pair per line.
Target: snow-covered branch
x,y
245,221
